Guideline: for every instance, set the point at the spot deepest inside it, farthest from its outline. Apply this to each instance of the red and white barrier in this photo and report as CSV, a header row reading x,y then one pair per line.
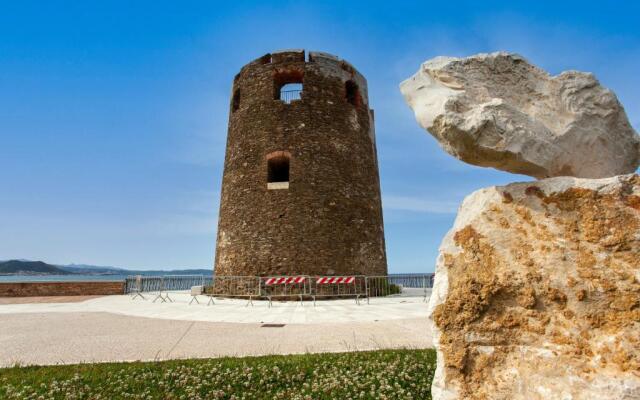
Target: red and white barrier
x,y
281,280
323,280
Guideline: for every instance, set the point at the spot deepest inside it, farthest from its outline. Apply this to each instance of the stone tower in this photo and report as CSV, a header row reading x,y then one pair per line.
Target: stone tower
x,y
300,190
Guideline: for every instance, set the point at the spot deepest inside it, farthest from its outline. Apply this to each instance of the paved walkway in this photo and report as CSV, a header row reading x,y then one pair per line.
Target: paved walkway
x,y
45,299
235,310
116,328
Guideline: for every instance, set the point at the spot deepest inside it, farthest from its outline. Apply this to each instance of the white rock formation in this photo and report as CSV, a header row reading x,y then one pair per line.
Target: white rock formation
x,y
497,110
537,293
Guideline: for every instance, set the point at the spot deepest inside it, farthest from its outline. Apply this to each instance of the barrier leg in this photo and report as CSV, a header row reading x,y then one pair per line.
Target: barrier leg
x,y
194,298
249,302
159,296
270,304
138,294
211,301
168,298
424,284
314,301
366,288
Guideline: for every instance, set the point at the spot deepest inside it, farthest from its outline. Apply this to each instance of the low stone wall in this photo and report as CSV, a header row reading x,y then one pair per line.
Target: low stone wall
x,y
27,289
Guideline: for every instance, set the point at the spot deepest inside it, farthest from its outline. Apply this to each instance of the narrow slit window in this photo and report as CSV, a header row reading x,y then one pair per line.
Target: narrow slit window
x,y
352,93
235,103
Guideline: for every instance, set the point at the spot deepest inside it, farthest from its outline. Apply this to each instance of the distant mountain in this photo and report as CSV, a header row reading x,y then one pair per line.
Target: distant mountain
x,y
98,270
24,267
197,271
92,269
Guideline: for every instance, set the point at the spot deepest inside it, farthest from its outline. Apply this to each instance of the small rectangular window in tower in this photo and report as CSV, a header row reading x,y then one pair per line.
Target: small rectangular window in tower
x,y
278,170
288,85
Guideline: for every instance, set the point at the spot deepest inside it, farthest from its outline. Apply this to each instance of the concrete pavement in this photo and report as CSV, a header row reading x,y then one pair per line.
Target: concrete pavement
x,y
236,310
116,328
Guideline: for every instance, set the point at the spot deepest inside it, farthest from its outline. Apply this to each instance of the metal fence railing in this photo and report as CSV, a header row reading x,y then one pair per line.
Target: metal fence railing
x,y
138,284
354,286
285,287
233,286
412,280
162,284
399,286
288,96
292,287
185,282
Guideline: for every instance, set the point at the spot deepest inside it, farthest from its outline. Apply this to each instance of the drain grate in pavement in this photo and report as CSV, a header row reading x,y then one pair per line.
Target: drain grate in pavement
x,y
272,325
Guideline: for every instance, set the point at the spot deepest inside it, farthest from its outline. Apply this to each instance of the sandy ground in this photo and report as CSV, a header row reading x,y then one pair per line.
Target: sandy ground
x,y
116,328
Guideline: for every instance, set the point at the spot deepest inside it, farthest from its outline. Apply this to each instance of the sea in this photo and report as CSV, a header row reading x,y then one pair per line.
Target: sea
x,y
70,278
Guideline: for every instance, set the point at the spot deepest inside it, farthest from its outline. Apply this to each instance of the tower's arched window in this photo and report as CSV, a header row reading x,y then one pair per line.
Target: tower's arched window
x,y
288,85
235,102
352,93
278,170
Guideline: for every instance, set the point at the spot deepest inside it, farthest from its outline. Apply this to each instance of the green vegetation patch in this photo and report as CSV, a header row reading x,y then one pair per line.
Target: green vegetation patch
x,y
385,374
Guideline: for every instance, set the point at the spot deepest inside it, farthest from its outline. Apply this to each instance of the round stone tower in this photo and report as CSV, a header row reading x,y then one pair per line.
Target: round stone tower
x,y
300,191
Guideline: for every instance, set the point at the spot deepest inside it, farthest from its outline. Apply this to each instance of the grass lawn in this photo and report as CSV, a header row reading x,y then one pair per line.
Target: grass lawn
x,y
385,374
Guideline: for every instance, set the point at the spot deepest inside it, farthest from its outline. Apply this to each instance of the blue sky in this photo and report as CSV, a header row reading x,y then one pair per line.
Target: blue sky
x,y
113,114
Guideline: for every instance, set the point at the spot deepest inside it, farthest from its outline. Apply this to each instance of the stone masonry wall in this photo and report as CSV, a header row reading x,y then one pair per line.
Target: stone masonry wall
x,y
329,220
29,289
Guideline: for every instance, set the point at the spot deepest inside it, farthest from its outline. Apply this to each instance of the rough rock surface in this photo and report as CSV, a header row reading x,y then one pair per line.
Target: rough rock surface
x,y
537,293
497,110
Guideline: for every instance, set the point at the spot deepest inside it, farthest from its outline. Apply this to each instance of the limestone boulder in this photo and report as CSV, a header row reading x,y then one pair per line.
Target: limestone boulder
x,y
537,293
497,110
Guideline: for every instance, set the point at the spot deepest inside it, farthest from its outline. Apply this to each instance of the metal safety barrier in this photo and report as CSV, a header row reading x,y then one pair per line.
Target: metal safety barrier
x,y
284,287
138,284
233,286
151,283
161,285
185,282
133,285
296,287
338,287
412,280
174,283
401,285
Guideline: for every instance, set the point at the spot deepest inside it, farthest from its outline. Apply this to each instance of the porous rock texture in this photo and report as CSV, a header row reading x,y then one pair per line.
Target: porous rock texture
x,y
328,220
497,110
537,293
